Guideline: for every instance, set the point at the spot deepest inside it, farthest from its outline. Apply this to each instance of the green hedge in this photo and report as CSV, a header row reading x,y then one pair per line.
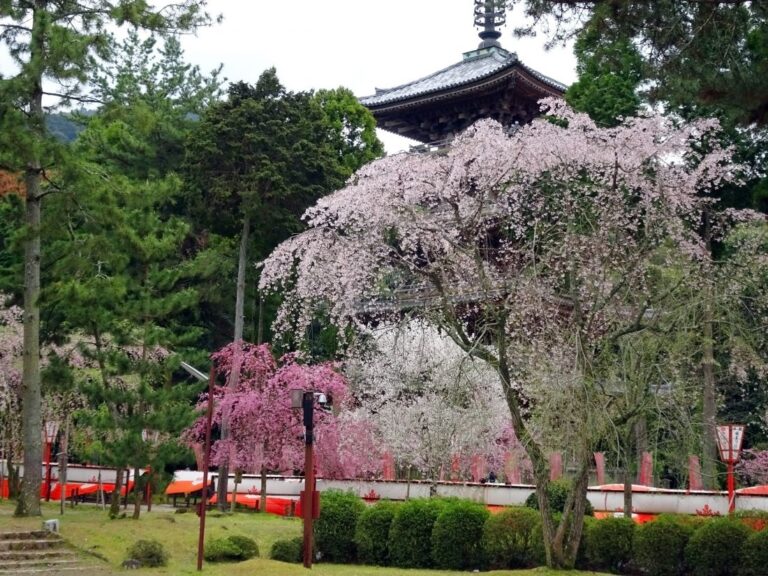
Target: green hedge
x,y
410,537
335,529
233,548
609,543
715,548
659,546
457,536
755,554
221,550
288,550
508,538
372,533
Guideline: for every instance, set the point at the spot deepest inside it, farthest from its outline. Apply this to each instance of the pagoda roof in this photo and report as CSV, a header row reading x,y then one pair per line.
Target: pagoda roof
x,y
489,82
477,67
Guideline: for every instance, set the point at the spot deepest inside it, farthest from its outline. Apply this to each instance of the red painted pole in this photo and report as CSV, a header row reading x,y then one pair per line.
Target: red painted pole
x,y
206,457
731,489
308,504
47,471
731,484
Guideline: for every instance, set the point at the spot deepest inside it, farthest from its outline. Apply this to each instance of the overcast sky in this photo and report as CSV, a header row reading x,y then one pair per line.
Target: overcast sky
x,y
359,44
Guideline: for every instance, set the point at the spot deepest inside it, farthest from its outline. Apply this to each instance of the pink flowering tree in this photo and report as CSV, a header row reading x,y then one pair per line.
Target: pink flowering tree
x,y
753,467
536,252
266,433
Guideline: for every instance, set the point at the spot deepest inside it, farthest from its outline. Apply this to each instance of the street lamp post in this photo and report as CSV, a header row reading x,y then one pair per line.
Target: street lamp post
x,y
206,455
50,430
151,437
305,400
729,440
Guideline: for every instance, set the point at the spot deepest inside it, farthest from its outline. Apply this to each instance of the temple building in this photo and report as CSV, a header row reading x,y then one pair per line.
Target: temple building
x,y
489,82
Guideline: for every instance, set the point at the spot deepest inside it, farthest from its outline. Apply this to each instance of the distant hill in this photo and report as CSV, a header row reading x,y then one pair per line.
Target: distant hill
x,y
64,127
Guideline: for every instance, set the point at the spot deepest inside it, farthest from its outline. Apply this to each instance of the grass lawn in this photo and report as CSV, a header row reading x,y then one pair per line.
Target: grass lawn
x,y
88,528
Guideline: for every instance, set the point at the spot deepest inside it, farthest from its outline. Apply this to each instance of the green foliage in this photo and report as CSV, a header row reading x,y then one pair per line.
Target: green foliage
x,y
265,153
288,550
263,156
352,128
457,536
231,549
610,70
372,533
715,548
222,550
557,492
609,543
659,546
247,546
508,538
150,553
755,554
410,536
335,529
11,218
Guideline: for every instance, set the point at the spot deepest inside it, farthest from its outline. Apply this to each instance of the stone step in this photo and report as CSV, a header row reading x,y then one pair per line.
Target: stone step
x,y
42,563
53,571
33,535
29,544
39,552
15,555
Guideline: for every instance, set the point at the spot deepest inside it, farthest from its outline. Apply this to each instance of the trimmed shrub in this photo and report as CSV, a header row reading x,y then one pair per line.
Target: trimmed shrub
x,y
248,547
755,554
609,543
508,538
150,553
372,533
335,529
288,550
410,537
659,546
233,548
457,536
558,494
221,550
715,548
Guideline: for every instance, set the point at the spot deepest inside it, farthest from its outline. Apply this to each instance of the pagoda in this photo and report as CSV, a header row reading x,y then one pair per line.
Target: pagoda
x,y
489,82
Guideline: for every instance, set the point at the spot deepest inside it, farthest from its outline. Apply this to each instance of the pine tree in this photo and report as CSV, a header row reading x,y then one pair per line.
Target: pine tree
x,y
55,44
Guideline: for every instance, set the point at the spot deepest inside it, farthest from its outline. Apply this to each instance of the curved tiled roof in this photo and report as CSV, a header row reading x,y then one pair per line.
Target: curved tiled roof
x,y
476,65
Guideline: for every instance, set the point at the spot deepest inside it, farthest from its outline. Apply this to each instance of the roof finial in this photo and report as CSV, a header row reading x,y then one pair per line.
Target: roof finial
x,y
489,14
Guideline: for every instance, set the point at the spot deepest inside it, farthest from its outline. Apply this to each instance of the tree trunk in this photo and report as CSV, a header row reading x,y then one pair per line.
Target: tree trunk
x,y
234,375
28,503
627,490
114,503
539,462
263,499
628,459
136,494
709,406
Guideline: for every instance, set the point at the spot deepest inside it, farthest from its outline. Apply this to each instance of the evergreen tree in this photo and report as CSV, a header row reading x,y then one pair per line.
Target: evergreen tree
x,y
610,70
55,44
259,159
